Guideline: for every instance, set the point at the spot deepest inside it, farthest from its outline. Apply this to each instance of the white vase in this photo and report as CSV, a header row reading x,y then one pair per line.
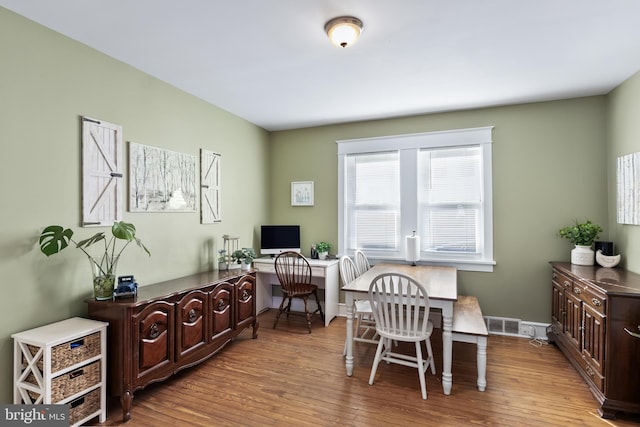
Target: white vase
x,y
322,255
245,266
582,255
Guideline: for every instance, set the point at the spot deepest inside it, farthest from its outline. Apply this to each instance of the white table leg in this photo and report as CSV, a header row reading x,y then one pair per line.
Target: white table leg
x,y
447,347
349,335
482,363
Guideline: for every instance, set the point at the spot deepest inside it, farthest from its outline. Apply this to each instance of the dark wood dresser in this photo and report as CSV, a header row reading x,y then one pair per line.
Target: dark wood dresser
x,y
172,325
595,321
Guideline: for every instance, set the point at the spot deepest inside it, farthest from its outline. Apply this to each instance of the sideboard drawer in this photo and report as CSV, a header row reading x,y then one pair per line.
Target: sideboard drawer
x,y
562,279
594,299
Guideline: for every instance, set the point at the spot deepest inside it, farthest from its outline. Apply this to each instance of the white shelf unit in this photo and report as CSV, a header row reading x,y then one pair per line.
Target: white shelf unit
x,y
63,362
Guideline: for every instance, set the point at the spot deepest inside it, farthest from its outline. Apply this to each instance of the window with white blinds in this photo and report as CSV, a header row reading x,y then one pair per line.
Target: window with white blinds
x,y
373,199
437,184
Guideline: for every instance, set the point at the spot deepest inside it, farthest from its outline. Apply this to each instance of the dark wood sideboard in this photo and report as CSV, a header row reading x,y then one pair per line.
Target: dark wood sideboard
x,y
595,311
172,325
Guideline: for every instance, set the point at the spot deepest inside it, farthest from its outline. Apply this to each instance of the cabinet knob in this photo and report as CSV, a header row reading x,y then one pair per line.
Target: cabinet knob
x,y
577,290
245,295
192,315
596,302
154,331
221,305
567,284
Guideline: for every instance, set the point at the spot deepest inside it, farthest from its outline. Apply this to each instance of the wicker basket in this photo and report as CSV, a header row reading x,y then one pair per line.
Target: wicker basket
x,y
72,352
69,353
73,382
84,406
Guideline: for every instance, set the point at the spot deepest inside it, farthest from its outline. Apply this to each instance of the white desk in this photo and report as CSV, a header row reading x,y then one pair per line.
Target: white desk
x,y
324,274
442,286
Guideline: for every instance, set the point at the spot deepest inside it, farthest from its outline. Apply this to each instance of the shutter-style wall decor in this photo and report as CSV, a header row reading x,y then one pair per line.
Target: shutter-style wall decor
x,y
101,172
210,203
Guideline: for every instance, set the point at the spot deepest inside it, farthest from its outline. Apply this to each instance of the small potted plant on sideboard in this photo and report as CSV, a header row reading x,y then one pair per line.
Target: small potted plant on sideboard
x,y
582,235
244,257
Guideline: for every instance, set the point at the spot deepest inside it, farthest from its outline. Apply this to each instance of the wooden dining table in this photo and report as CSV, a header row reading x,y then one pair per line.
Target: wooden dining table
x,y
442,287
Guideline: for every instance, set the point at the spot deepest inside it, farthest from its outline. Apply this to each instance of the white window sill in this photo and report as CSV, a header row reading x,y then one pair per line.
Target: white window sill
x,y
462,265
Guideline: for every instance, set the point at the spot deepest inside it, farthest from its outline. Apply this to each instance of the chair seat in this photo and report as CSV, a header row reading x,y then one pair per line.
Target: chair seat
x,y
406,335
301,289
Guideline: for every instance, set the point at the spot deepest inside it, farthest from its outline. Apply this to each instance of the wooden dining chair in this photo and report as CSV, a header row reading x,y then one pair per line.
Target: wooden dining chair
x,y
294,273
365,329
401,311
362,262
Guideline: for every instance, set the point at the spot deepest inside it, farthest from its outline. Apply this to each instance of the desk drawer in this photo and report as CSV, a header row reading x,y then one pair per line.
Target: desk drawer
x,y
265,267
271,269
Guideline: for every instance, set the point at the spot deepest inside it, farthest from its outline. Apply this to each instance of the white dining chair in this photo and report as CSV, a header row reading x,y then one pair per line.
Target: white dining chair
x,y
401,312
362,262
365,330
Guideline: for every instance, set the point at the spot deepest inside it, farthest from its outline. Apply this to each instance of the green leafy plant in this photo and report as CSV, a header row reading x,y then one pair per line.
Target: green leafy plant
x,y
223,257
245,254
56,238
323,247
583,234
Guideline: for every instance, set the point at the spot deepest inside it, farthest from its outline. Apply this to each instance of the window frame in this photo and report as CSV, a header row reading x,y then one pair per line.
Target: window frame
x,y
408,146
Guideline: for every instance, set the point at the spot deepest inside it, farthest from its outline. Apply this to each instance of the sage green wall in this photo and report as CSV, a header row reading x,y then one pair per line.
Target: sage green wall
x,y
47,82
623,136
548,169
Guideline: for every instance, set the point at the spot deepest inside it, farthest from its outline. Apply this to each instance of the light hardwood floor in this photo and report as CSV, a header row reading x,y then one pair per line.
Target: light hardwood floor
x,y
288,377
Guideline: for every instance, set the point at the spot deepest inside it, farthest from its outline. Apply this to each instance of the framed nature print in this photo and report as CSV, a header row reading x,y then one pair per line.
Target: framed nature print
x,y
161,180
628,177
302,193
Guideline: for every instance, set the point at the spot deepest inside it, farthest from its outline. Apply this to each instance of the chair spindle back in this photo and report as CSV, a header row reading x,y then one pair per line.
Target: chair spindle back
x,y
294,272
400,306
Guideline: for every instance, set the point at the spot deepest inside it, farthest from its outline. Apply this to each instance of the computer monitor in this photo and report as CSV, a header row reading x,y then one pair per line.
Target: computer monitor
x,y
275,239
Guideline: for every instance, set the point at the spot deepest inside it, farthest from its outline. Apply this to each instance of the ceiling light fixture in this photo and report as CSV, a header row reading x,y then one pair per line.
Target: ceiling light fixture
x,y
344,30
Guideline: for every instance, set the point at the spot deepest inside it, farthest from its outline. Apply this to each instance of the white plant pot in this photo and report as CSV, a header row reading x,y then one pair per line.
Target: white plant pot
x,y
322,255
245,266
582,255
222,266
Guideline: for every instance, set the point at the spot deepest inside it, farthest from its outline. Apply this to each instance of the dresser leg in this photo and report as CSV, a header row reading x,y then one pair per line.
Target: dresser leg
x,y
255,329
125,401
607,413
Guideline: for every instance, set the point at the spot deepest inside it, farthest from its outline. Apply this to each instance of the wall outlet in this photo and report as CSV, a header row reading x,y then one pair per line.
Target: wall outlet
x,y
527,330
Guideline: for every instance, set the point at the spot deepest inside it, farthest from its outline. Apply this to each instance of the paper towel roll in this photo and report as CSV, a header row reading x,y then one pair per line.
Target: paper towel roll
x,y
412,248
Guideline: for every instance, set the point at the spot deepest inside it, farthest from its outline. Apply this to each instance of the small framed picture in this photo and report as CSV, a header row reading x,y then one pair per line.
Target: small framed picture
x,y
302,193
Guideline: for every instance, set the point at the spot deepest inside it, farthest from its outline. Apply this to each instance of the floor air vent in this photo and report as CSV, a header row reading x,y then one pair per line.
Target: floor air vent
x,y
503,325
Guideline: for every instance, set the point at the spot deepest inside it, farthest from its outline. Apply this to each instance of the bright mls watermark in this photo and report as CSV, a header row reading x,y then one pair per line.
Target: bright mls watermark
x,y
34,415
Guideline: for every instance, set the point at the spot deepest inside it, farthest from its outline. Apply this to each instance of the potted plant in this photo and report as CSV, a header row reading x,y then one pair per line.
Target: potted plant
x,y
582,235
223,258
323,249
56,238
244,257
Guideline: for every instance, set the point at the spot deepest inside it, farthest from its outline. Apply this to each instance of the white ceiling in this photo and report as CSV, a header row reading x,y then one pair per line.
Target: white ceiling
x,y
270,62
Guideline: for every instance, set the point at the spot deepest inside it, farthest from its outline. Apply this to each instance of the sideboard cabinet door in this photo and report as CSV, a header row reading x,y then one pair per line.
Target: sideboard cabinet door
x,y
153,337
191,331
246,301
221,309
